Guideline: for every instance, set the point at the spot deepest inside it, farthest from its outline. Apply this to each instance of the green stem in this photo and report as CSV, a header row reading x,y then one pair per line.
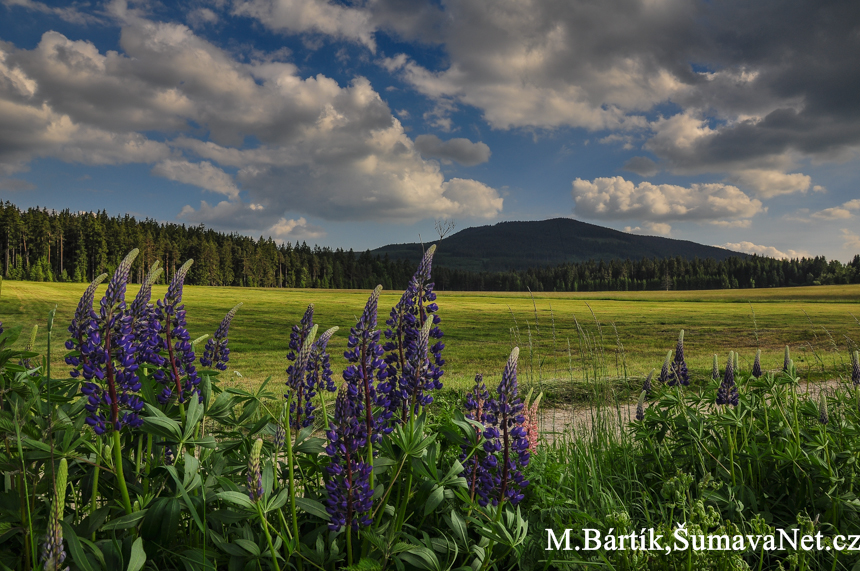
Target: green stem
x,y
263,521
120,475
292,483
148,463
731,454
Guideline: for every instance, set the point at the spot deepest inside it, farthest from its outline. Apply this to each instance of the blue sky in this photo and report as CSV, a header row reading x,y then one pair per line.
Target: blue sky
x,y
357,124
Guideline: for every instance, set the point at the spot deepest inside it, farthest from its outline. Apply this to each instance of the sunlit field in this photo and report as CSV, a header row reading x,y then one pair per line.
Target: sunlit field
x,y
564,338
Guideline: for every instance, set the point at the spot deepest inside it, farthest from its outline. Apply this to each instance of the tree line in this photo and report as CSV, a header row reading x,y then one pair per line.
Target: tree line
x,y
48,245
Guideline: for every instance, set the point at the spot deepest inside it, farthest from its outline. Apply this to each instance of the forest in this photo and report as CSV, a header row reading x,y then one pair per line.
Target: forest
x,y
47,245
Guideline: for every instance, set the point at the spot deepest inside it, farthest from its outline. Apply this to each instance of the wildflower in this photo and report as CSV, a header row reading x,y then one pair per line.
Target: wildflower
x,y
81,325
531,422
146,326
679,366
640,406
255,474
53,553
280,436
715,369
180,355
786,362
216,347
299,333
646,386
107,358
476,401
727,393
406,388
348,485
823,417
169,456
855,368
365,355
503,434
756,370
666,373
296,381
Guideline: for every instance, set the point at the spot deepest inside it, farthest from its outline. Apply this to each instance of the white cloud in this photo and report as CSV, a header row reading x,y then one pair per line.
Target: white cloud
x,y
660,228
203,174
842,212
851,241
460,150
68,14
770,183
617,199
769,251
201,17
296,229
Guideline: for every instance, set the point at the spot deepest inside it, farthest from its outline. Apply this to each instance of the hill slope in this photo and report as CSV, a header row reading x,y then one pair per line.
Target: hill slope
x,y
521,245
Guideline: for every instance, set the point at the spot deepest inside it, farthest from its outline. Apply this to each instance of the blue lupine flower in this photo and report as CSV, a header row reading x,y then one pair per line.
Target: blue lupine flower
x,y
756,370
727,393
146,326
505,443
299,333
680,375
216,347
349,498
646,386
367,369
640,406
666,374
81,325
317,377
855,368
476,403
180,373
406,387
296,381
107,358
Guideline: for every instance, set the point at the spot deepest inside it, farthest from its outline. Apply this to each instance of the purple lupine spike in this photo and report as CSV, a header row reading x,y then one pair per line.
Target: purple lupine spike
x,y
476,402
756,370
666,373
255,473
367,369
317,378
505,443
296,381
855,368
80,325
680,375
299,333
144,294
348,484
216,347
169,456
107,358
640,406
180,373
646,386
404,391
727,393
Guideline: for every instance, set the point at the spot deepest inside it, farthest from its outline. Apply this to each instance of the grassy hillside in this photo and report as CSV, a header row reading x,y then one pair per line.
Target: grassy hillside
x,y
635,328
521,245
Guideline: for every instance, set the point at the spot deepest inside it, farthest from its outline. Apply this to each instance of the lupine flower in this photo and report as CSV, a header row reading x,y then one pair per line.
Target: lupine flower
x,y
504,435
666,373
476,401
531,422
53,553
407,387
756,370
177,341
727,393
715,369
146,326
216,347
296,382
255,474
365,354
679,366
348,484
80,326
823,417
646,386
169,456
107,358
855,368
1,328
280,436
786,361
298,335
640,406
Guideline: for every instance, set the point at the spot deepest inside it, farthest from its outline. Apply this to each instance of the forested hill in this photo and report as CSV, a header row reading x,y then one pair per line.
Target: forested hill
x,y
523,245
43,245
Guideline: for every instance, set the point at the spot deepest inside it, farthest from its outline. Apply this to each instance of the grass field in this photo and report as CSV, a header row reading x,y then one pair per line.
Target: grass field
x,y
632,329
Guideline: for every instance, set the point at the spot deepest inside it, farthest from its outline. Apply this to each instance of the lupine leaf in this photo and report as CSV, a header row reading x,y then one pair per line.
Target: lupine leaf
x,y
138,556
125,522
312,507
77,551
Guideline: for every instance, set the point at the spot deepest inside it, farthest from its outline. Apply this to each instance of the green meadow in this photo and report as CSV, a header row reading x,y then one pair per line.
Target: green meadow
x,y
565,338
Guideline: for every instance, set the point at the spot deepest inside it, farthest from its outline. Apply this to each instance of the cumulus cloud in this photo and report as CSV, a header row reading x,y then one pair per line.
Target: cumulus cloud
x,y
769,251
660,228
203,174
769,183
643,166
618,199
459,150
837,212
320,148
851,241
296,230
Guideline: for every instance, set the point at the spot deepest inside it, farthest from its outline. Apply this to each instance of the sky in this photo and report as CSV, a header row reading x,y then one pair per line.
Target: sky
x,y
361,123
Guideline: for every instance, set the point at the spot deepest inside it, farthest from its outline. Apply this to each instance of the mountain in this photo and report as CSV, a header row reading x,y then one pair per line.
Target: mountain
x,y
522,245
